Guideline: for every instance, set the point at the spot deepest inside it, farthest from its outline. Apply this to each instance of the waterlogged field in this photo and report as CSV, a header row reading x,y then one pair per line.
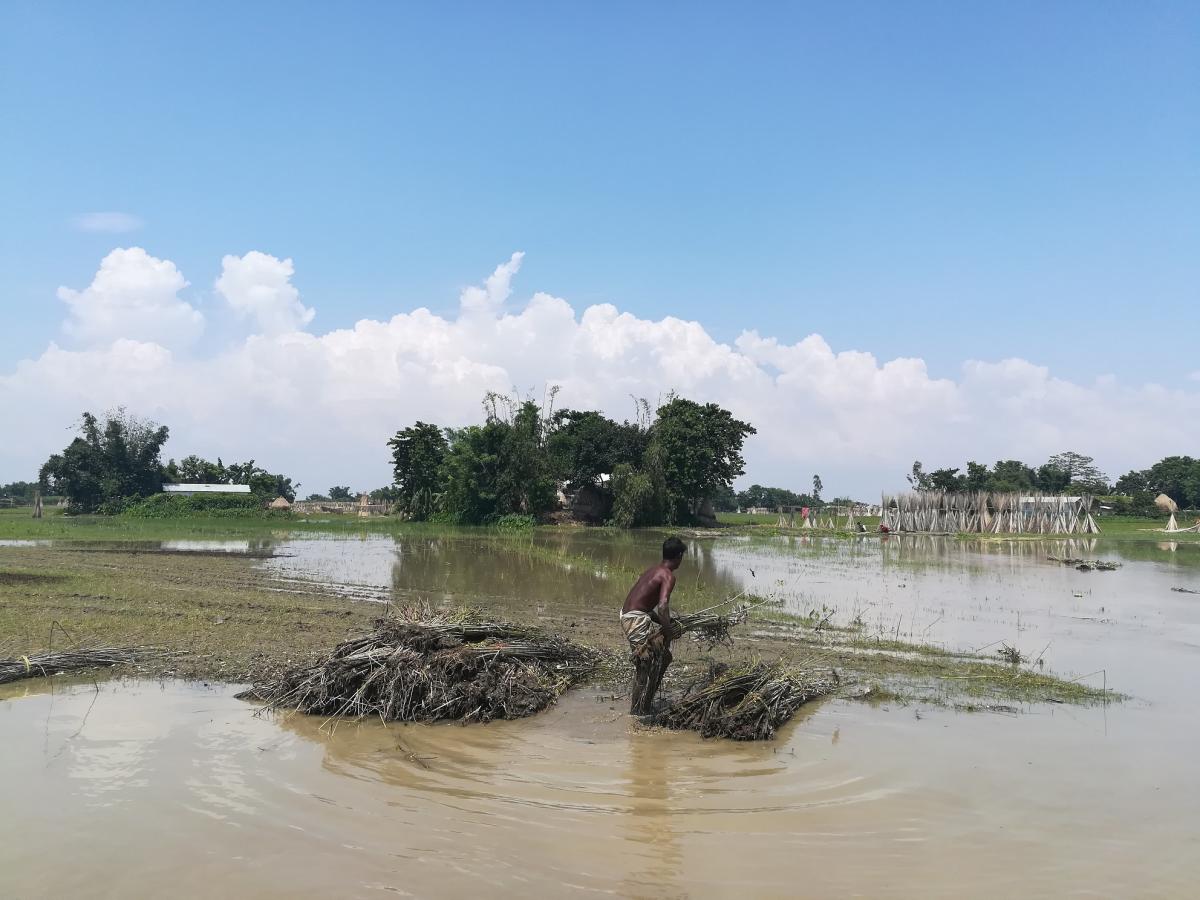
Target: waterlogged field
x,y
1070,774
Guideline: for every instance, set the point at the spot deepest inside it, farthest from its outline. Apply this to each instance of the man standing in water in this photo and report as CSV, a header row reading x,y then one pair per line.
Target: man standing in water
x,y
648,626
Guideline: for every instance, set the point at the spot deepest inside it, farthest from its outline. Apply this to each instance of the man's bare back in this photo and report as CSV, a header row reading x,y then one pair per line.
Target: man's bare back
x,y
651,590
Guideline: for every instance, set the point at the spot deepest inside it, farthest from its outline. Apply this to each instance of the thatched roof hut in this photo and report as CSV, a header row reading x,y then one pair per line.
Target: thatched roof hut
x,y
280,503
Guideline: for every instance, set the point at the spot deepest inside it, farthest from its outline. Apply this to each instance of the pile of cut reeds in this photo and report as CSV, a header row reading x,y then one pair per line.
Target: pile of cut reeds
x,y
426,667
746,703
38,665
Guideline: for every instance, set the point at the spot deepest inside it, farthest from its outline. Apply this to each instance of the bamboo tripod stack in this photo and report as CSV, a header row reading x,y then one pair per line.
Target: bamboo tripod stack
x,y
984,512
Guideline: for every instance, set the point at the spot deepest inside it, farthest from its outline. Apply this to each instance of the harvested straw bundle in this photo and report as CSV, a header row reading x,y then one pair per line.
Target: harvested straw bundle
x,y
422,668
713,629
747,703
42,664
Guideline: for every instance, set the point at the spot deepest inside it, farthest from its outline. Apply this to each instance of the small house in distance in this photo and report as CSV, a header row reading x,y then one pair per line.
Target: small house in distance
x,y
188,489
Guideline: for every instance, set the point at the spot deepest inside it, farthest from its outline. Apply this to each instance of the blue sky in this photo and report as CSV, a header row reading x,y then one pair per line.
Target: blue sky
x,y
943,181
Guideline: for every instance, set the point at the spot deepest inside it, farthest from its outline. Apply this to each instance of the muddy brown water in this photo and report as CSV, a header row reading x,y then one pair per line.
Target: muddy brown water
x,y
142,789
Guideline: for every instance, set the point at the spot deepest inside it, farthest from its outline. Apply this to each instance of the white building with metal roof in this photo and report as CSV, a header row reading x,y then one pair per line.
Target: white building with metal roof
x,y
187,489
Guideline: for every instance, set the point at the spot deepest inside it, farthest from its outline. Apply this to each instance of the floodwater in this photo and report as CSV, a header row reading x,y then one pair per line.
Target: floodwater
x,y
140,789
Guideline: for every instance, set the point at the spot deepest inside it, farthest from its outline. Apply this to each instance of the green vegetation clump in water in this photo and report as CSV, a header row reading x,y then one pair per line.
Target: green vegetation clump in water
x,y
913,671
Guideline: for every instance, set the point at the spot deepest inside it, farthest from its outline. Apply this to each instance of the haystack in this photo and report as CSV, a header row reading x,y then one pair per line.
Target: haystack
x,y
746,703
1167,505
424,667
280,503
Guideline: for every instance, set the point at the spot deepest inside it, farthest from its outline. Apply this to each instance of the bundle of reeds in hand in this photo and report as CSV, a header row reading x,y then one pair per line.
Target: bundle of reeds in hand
x,y
37,665
422,667
746,703
712,629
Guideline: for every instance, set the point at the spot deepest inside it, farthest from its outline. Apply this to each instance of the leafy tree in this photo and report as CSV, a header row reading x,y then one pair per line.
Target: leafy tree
x,y
1178,477
633,497
1012,475
917,478
1081,471
108,466
18,492
583,445
817,486
725,500
1051,479
418,454
978,478
1132,483
340,494
315,498
514,462
387,494
471,471
699,448
944,480
772,497
269,485
263,484
524,484
194,470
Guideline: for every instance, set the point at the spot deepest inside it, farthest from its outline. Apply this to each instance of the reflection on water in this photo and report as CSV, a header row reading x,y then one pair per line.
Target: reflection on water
x,y
206,546
849,800
359,566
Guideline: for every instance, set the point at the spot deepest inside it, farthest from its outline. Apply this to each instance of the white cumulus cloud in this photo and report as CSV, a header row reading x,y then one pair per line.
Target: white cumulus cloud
x,y
133,295
259,286
321,406
107,222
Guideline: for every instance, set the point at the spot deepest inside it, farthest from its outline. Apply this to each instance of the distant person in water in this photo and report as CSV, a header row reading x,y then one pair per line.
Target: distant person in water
x,y
648,626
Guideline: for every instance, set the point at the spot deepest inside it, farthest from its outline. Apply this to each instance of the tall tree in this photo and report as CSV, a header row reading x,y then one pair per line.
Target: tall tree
x,y
699,448
471,472
1012,475
944,480
917,479
418,454
1178,477
583,445
18,492
1081,471
108,466
817,486
977,478
525,484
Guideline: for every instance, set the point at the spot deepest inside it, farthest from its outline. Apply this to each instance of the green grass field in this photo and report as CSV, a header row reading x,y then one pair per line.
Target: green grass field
x,y
18,524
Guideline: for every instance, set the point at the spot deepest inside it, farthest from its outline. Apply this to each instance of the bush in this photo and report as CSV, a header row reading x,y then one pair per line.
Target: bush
x,y
633,497
170,506
1140,503
515,522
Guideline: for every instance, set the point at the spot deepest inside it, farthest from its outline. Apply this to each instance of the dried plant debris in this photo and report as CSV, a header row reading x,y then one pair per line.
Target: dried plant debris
x,y
747,702
425,667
